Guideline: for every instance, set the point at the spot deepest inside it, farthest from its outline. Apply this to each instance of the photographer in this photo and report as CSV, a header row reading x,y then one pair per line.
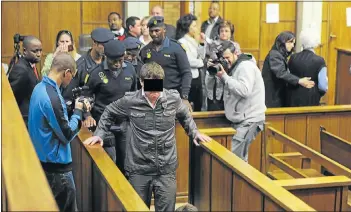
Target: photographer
x,y
51,132
23,76
243,96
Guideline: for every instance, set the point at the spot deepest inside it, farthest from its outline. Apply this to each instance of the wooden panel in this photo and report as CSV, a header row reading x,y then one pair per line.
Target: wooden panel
x,y
344,126
268,34
201,183
321,199
287,11
57,12
3,195
221,187
113,204
295,127
77,164
271,206
87,28
17,17
247,29
241,191
255,152
343,78
98,11
99,191
86,181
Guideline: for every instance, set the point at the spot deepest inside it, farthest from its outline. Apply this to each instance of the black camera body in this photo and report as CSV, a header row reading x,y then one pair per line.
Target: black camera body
x,y
217,49
17,38
78,93
212,70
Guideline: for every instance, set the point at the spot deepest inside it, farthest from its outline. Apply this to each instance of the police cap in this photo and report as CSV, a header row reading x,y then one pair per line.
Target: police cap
x,y
102,35
114,49
132,43
156,21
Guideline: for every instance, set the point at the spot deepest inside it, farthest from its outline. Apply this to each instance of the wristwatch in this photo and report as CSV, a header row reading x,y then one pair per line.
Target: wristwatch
x,y
185,97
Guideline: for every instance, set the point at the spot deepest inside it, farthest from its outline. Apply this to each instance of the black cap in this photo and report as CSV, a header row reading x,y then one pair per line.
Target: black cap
x,y
102,35
156,21
114,49
132,43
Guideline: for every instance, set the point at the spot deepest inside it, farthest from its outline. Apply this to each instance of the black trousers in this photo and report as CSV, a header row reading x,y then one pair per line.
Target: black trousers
x,y
195,95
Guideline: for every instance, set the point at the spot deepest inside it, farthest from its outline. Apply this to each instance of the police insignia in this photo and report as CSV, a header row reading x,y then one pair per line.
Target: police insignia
x,y
127,78
103,77
155,22
167,55
148,55
105,80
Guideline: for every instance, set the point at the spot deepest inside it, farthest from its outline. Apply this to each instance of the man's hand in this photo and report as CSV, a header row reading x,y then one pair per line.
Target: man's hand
x,y
201,137
61,48
202,37
306,82
187,103
80,105
89,122
222,72
93,140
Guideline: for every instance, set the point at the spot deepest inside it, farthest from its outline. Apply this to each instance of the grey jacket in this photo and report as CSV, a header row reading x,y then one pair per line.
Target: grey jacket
x,y
151,149
244,97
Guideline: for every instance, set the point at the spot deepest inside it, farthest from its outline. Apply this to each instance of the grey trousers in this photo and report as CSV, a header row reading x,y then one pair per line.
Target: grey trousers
x,y
164,188
245,134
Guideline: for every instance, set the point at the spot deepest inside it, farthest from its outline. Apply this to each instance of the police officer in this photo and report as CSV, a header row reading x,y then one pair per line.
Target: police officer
x,y
133,46
87,62
171,56
108,82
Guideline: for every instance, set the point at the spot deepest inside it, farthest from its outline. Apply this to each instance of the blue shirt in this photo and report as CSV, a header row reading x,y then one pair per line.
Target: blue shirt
x,y
323,79
49,128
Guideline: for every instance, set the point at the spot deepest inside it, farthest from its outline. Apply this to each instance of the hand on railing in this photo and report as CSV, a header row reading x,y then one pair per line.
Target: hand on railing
x,y
201,137
93,140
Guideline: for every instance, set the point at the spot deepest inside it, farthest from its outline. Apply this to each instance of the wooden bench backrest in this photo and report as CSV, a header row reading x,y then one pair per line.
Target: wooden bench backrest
x,y
24,185
336,148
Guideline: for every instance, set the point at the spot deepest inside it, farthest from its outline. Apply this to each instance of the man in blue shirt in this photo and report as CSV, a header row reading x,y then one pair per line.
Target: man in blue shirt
x,y
51,132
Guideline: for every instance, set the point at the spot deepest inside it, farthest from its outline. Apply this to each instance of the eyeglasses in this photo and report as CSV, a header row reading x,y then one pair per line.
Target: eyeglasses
x,y
64,31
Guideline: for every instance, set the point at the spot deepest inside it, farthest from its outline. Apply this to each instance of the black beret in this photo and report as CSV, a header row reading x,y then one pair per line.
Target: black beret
x,y
156,21
102,35
132,43
114,49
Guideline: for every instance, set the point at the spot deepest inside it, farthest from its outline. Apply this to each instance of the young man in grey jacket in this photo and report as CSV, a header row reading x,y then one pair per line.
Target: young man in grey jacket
x,y
244,98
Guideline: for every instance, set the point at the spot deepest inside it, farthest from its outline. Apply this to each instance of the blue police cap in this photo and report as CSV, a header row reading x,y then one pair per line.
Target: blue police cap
x,y
102,35
156,21
114,49
132,43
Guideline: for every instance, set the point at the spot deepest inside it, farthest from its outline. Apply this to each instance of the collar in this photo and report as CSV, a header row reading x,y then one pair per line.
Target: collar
x,y
191,39
165,43
148,101
104,63
212,21
49,81
310,49
119,32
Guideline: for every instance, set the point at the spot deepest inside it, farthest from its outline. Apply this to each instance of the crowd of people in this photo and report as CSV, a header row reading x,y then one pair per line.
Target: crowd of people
x,y
142,75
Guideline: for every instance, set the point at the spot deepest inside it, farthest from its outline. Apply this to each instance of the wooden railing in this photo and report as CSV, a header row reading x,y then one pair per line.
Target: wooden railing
x,y
220,181
101,186
24,185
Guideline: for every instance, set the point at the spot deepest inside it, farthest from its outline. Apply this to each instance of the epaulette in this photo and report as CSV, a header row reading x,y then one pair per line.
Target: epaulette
x,y
129,93
80,61
173,91
89,72
183,47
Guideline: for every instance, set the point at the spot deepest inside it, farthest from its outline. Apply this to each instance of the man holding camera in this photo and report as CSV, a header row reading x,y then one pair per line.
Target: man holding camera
x,y
108,82
51,131
151,160
23,77
244,97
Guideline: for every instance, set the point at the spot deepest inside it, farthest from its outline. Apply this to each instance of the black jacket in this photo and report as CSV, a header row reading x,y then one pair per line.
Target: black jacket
x,y
276,75
170,31
215,29
23,80
305,64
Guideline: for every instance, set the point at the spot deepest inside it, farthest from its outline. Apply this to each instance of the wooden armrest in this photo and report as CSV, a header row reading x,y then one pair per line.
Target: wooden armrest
x,y
286,167
218,131
314,182
289,155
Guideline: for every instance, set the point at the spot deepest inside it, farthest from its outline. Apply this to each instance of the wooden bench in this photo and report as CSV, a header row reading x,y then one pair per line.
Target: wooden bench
x,y
337,149
322,193
220,181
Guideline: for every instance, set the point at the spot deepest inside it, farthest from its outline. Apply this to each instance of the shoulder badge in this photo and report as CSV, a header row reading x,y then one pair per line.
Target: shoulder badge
x,y
183,46
148,54
103,77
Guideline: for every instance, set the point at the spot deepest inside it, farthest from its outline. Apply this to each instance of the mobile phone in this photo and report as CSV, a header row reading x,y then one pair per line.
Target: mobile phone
x,y
70,48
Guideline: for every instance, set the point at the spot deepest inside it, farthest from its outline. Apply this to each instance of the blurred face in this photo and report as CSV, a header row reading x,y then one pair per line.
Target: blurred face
x,y
136,29
157,11
193,29
224,33
98,48
65,40
144,28
230,57
131,56
68,75
115,63
213,11
157,34
114,22
289,45
33,52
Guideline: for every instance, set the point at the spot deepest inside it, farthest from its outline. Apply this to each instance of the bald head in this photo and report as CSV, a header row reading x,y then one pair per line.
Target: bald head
x,y
62,62
157,11
28,40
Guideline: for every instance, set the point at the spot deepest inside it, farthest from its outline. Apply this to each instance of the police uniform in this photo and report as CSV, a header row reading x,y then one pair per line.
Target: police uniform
x,y
173,59
133,45
109,86
85,64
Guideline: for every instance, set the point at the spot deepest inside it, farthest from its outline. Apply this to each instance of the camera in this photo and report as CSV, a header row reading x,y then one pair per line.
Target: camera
x,y
78,93
17,38
216,50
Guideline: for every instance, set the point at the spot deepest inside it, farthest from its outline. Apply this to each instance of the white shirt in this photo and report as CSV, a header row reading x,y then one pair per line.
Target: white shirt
x,y
119,32
210,26
147,99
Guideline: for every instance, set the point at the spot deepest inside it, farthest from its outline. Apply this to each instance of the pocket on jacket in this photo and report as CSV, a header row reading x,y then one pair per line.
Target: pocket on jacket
x,y
138,119
168,119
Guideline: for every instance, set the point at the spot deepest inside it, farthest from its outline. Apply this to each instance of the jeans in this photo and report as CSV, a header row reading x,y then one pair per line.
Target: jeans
x,y
245,134
64,190
164,188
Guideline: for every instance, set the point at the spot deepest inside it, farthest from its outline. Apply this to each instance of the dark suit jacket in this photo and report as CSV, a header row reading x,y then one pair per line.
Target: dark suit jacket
x,y
23,80
170,31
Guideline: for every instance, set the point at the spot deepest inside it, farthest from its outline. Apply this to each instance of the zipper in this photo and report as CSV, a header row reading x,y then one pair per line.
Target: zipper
x,y
155,139
58,148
